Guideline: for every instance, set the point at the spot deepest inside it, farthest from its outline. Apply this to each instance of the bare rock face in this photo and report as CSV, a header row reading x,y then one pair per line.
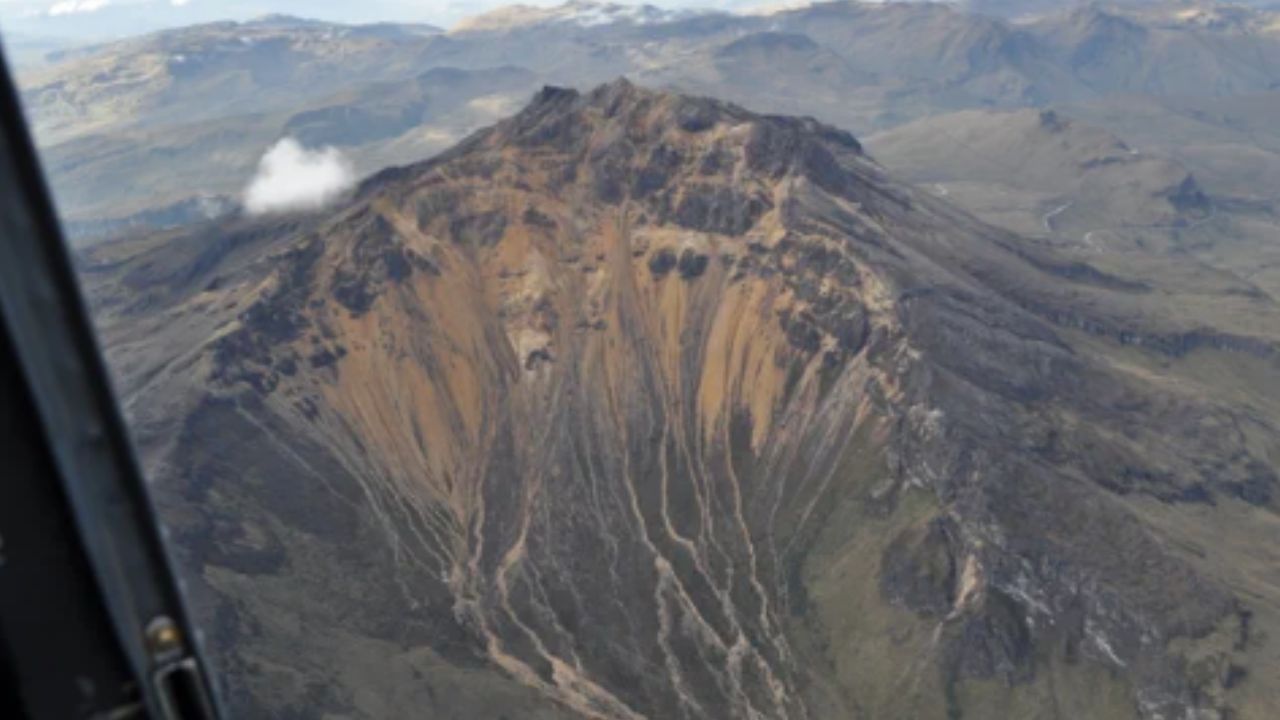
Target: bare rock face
x,y
638,405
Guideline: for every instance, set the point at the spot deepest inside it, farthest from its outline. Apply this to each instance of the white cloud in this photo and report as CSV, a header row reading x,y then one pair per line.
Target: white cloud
x,y
178,3
72,7
291,178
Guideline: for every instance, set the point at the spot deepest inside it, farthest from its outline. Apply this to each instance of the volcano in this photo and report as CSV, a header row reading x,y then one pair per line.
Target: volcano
x,y
640,405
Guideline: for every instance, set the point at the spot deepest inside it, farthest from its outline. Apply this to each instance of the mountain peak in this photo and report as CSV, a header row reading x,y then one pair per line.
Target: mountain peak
x,y
635,144
626,319
652,113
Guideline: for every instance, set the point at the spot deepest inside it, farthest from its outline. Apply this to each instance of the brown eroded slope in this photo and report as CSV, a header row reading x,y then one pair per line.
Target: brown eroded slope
x,y
639,405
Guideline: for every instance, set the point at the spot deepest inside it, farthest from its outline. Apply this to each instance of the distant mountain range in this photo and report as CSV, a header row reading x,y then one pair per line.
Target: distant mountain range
x,y
211,98
80,21
97,21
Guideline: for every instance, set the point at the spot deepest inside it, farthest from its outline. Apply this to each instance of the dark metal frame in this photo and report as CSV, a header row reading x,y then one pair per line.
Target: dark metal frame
x,y
92,622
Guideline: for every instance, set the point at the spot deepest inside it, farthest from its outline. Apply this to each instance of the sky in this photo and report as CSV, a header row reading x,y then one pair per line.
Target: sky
x,y
102,19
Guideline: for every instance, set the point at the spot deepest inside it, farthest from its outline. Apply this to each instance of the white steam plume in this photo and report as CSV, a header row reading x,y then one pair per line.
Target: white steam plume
x,y
292,178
